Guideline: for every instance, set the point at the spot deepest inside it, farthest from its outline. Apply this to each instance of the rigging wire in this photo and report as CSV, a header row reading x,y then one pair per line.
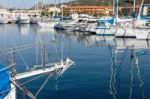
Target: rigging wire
x,y
35,78
42,86
21,56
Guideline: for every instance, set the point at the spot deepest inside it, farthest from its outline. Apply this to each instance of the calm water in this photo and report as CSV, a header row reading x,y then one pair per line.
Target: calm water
x,y
105,67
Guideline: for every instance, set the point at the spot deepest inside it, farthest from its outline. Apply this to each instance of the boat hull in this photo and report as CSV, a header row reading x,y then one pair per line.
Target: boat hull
x,y
47,24
106,31
125,33
2,21
142,34
24,21
65,26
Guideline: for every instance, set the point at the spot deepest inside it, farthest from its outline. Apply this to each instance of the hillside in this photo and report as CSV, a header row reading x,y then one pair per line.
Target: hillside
x,y
88,2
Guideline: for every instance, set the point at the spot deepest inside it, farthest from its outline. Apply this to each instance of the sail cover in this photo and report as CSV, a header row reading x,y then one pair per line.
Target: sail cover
x,y
110,21
4,82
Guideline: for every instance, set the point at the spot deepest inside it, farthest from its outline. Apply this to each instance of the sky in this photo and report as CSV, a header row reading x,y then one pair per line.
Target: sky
x,y
24,3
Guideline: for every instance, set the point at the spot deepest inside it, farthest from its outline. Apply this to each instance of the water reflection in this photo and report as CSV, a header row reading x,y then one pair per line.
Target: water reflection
x,y
123,76
24,29
120,50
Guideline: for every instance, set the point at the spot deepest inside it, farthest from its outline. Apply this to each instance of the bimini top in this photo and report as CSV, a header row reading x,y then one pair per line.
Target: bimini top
x,y
4,82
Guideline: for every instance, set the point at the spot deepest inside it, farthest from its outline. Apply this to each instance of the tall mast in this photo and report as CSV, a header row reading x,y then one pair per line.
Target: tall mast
x,y
113,7
116,10
140,10
62,10
117,4
55,8
134,6
35,7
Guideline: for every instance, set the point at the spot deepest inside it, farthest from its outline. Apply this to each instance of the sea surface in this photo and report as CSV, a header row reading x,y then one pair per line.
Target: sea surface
x,y
105,67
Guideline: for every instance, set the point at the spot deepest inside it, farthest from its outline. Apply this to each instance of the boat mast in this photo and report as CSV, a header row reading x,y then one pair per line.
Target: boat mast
x,y
134,6
62,13
116,10
35,9
140,10
55,8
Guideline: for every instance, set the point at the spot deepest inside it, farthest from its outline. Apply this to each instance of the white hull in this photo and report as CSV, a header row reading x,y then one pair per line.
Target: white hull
x,y
3,21
24,21
91,28
47,24
64,26
142,34
125,32
34,21
106,31
12,93
79,26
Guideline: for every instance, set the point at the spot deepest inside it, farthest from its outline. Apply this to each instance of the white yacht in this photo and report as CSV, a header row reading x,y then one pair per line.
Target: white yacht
x,y
125,30
90,26
142,24
86,25
3,15
66,24
106,27
23,18
142,29
4,19
48,23
35,20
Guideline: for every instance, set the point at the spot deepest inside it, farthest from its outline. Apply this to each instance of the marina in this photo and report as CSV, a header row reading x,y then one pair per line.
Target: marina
x,y
101,63
56,52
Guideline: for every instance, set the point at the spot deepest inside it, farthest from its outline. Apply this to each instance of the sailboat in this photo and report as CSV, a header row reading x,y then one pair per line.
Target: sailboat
x,y
3,17
23,18
3,20
142,24
67,24
113,26
36,18
107,25
125,26
52,22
